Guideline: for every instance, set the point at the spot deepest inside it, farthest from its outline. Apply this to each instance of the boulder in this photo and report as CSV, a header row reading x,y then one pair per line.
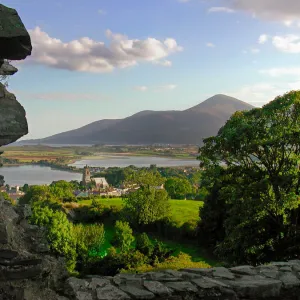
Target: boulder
x,y
13,123
14,38
7,69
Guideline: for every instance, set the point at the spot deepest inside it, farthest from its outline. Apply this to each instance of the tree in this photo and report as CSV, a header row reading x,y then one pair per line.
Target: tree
x,y
146,206
60,232
144,177
89,239
178,188
257,155
37,193
62,190
144,245
123,237
25,188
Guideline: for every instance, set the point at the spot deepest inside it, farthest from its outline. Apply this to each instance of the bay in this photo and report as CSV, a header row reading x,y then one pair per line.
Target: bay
x,y
138,161
38,175
35,175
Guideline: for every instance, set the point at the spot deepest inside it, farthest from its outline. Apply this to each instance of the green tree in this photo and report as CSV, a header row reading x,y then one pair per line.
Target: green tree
x,y
144,177
62,190
123,237
90,240
144,245
146,206
37,193
60,232
25,188
178,188
256,154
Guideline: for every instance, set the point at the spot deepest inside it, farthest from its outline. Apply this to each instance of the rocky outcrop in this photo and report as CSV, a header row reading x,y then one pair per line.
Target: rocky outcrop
x,y
27,269
15,45
13,123
274,281
14,39
6,69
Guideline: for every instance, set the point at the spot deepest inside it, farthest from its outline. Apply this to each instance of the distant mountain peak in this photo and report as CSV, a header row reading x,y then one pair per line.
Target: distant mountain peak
x,y
219,102
151,127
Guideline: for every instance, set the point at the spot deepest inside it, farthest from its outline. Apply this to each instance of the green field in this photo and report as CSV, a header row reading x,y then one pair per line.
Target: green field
x,y
182,210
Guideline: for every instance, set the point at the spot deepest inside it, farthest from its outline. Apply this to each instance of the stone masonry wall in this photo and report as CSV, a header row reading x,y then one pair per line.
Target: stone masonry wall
x,y
274,281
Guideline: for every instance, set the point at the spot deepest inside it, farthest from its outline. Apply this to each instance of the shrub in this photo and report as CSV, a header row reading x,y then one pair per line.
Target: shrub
x,y
144,245
123,237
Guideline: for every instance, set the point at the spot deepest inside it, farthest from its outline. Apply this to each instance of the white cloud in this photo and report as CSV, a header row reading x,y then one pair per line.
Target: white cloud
x,y
263,38
279,72
165,63
294,85
289,43
210,45
62,96
102,12
87,55
255,50
287,12
258,94
142,88
168,87
224,9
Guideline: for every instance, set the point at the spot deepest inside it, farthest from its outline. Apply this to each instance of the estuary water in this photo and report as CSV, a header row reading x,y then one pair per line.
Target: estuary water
x,y
38,175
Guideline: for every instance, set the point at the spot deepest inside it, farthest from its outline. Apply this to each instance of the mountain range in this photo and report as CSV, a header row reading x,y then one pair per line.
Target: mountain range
x,y
189,126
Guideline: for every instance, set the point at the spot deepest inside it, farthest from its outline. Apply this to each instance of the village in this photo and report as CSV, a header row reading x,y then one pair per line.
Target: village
x,y
93,186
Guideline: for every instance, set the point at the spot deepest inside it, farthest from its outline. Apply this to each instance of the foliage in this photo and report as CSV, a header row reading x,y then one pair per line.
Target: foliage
x,y
258,188
37,193
144,245
146,206
178,188
62,190
181,261
90,239
123,237
115,262
60,232
7,198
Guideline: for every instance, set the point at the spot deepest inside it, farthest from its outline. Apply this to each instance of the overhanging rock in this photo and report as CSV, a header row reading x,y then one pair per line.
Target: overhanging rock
x,y
15,42
13,123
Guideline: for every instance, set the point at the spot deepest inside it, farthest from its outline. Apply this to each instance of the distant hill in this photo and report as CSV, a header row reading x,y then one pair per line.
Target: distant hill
x,y
150,127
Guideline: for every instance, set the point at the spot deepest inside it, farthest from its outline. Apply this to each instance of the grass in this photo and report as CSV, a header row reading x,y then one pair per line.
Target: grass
x,y
26,154
182,210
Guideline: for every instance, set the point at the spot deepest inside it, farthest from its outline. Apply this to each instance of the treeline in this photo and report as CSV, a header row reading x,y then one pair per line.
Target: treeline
x,y
179,183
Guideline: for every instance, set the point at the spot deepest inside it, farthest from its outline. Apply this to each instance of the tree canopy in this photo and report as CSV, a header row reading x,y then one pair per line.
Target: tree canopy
x,y
255,157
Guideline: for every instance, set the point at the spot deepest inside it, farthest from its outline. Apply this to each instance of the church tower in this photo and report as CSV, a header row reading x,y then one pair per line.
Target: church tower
x,y
86,176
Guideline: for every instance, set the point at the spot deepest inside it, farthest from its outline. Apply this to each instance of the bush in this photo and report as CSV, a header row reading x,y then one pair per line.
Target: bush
x,y
123,237
144,245
90,239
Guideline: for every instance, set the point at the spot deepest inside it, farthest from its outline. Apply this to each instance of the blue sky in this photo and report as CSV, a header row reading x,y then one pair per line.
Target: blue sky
x,y
113,58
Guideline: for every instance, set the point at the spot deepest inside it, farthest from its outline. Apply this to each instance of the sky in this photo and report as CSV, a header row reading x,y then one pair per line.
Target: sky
x,y
104,59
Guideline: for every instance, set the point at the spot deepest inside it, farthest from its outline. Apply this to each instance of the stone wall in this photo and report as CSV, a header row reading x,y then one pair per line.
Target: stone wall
x,y
28,271
274,281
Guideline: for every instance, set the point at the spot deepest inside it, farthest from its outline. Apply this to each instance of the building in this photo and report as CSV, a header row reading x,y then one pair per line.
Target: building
x,y
86,176
101,183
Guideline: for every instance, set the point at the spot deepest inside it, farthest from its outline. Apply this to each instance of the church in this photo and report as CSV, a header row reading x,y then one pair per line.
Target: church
x,y
100,182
